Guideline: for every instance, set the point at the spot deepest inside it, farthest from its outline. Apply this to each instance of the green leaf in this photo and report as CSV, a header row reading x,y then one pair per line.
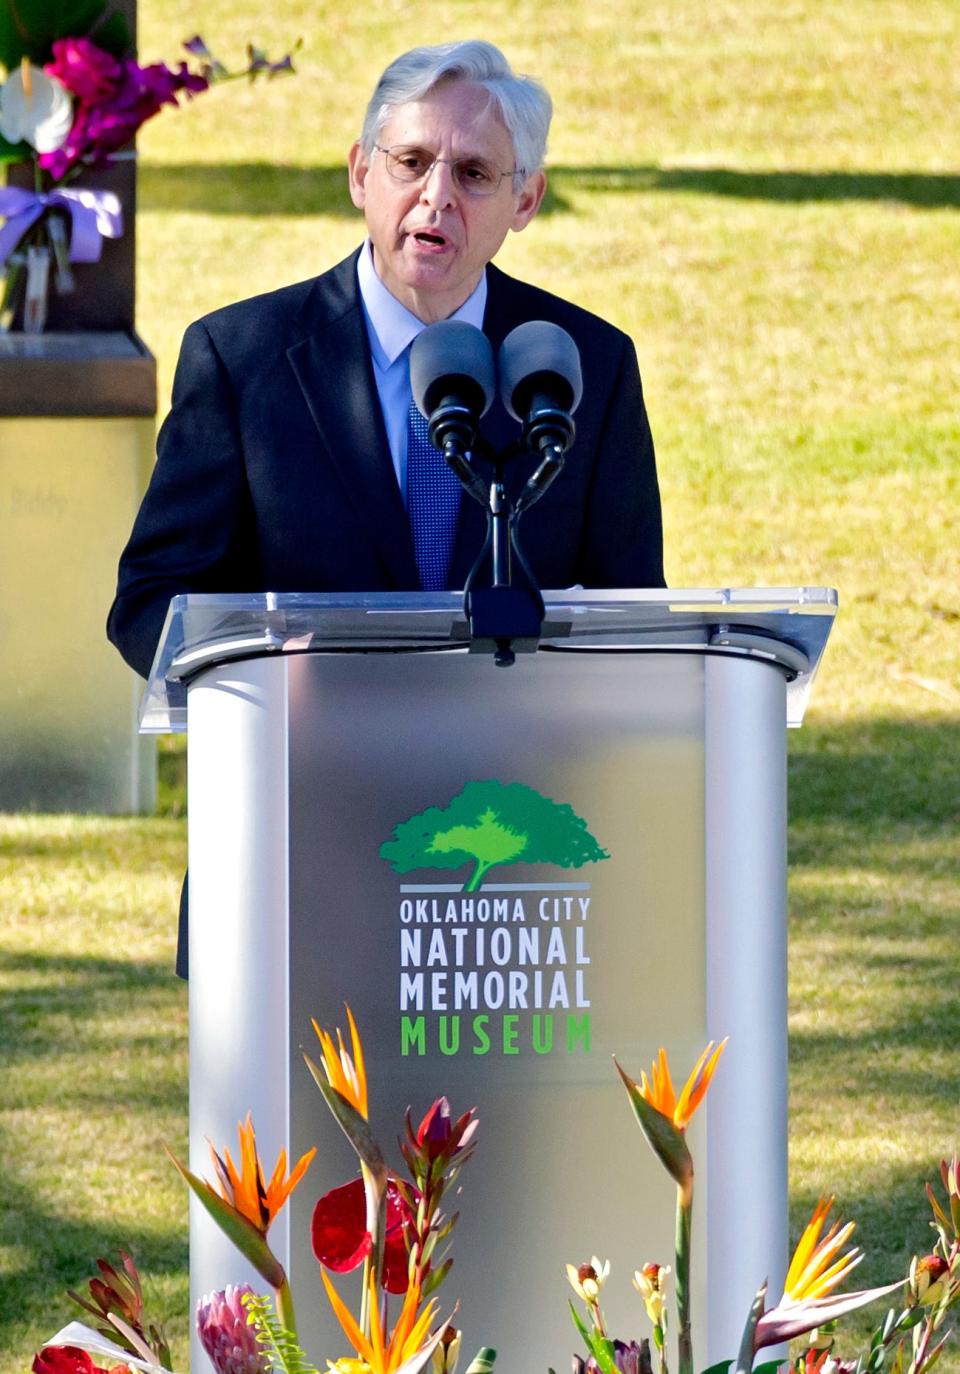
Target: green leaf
x,y
483,1361
667,1143
282,1352
29,27
768,1367
579,1322
720,1367
113,34
600,1348
436,1277
603,1352
955,1213
15,152
245,1236
745,1357
353,1125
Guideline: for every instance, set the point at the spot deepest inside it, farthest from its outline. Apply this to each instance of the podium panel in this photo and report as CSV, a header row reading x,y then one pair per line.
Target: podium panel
x,y
631,807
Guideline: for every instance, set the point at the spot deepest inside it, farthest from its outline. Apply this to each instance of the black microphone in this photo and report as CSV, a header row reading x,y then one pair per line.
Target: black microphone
x,y
453,383
541,384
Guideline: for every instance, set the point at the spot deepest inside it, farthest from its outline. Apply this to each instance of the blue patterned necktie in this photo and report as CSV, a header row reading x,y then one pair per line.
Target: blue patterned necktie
x,y
433,503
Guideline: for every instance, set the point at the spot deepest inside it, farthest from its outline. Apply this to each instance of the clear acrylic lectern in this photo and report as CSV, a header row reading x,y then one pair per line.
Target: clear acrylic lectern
x,y
510,874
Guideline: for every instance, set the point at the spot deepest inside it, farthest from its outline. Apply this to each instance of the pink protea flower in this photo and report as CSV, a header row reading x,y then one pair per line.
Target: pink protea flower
x,y
226,1335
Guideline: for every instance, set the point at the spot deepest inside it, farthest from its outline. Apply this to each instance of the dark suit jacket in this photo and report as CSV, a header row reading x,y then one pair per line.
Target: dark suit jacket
x,y
274,473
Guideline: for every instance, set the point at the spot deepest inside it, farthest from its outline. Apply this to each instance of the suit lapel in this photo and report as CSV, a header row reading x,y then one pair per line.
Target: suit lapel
x,y
332,365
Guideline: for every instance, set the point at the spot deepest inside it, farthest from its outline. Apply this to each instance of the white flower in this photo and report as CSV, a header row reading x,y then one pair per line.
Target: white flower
x,y
38,109
587,1281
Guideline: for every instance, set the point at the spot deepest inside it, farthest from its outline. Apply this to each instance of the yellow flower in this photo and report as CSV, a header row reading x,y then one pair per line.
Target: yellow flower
x,y
244,1189
929,1277
346,1073
587,1281
348,1366
659,1092
651,1282
817,1266
409,1337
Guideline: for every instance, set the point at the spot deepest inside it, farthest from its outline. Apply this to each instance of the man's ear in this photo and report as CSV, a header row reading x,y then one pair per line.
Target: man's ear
x,y
529,200
357,169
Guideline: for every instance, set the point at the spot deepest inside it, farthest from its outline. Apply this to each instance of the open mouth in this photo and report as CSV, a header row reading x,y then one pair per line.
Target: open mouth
x,y
431,240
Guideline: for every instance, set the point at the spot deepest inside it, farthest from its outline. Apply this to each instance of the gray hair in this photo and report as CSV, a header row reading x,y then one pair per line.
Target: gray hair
x,y
522,102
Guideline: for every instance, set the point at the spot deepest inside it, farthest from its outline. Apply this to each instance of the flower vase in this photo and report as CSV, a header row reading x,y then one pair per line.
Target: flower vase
x,y
37,290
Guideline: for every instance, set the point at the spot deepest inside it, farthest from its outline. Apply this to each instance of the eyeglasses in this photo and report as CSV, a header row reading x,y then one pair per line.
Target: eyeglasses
x,y
472,175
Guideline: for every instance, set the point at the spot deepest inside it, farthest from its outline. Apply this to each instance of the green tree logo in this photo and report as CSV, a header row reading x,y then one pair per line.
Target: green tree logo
x,y
492,823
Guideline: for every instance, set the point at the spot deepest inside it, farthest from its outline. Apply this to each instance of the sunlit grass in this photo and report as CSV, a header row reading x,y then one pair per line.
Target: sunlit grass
x,y
93,1037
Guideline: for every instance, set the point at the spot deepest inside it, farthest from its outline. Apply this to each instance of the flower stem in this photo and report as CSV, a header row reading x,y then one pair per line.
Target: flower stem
x,y
684,1223
365,1299
284,1302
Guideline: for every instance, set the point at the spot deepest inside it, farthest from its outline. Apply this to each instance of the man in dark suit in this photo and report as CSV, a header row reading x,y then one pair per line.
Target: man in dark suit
x,y
286,464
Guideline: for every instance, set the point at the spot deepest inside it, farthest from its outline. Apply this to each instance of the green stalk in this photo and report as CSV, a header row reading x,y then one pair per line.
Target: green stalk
x,y
284,1302
684,1223
365,1299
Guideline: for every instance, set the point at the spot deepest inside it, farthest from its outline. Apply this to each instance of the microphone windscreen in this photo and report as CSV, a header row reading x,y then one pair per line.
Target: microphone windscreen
x,y
545,353
452,357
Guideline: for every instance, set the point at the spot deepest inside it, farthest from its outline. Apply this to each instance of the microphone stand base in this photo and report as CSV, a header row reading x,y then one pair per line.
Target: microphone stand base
x,y
504,621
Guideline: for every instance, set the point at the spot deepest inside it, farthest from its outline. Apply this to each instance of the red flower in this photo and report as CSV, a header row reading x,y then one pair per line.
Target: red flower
x,y
70,1359
439,1137
342,1242
435,1129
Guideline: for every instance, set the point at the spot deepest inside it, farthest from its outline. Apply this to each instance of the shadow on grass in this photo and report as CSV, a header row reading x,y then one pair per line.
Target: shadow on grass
x,y
43,992
874,775
264,188
875,898
62,1048
52,1252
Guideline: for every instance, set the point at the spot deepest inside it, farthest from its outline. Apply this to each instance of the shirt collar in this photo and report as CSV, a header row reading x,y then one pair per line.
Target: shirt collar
x,y
391,326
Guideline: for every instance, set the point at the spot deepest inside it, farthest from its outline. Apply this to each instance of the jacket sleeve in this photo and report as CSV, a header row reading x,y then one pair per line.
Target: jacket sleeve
x,y
623,538
193,529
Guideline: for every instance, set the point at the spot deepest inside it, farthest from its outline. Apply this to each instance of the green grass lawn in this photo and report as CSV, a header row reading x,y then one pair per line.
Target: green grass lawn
x,y
767,196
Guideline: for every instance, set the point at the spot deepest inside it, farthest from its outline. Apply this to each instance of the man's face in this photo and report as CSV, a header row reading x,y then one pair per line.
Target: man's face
x,y
431,239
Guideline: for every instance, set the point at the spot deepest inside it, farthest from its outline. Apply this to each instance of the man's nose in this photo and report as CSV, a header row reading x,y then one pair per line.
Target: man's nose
x,y
439,188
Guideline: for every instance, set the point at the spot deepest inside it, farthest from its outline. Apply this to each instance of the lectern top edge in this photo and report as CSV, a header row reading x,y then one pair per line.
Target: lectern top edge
x,y
787,626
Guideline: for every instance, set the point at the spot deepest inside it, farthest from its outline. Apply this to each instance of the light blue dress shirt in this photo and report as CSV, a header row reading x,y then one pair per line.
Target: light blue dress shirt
x,y
391,329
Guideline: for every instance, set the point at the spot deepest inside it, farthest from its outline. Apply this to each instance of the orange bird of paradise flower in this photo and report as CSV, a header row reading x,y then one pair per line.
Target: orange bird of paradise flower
x,y
407,1349
817,1267
346,1072
244,1189
658,1089
245,1204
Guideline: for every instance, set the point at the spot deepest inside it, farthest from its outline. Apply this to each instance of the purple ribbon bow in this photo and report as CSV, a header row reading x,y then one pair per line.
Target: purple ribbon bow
x,y
94,216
